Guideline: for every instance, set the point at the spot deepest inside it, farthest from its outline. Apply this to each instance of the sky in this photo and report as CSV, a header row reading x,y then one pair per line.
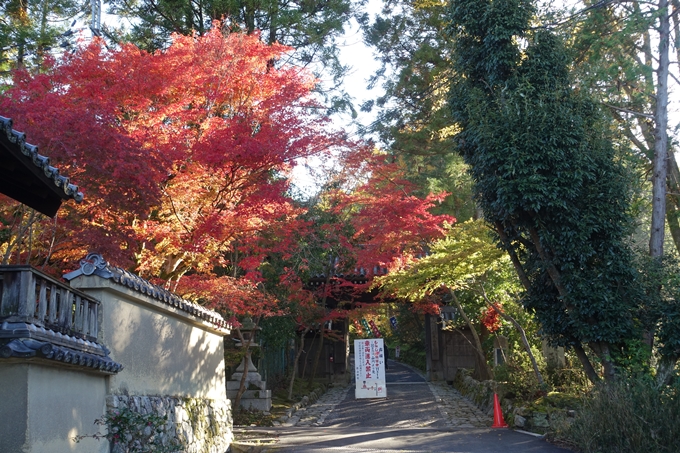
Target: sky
x,y
363,63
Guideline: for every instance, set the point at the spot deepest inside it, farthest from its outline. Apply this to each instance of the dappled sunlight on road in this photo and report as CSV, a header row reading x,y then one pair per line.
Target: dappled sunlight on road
x,y
404,407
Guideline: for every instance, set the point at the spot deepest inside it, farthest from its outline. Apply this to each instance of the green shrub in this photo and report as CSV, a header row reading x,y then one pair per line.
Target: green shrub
x,y
414,356
132,432
519,382
628,416
568,380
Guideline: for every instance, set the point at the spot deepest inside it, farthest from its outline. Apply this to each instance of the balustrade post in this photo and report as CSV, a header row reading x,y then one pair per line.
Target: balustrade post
x,y
65,307
10,294
94,326
30,294
78,325
86,316
42,301
52,310
68,311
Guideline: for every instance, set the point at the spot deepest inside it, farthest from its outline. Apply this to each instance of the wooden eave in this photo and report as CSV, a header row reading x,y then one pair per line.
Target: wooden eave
x,y
28,177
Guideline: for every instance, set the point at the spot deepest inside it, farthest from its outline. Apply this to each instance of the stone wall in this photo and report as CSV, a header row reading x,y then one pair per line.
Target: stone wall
x,y
120,342
535,419
199,425
479,393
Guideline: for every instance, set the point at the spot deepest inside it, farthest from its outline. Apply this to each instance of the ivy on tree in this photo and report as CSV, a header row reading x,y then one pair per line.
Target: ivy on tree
x,y
547,177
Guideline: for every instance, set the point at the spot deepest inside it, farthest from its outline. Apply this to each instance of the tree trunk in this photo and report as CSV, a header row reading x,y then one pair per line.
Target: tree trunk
x,y
30,238
311,346
18,239
49,250
660,162
273,23
553,272
522,333
513,257
249,18
329,273
318,356
672,170
592,375
665,370
480,351
246,361
298,354
601,349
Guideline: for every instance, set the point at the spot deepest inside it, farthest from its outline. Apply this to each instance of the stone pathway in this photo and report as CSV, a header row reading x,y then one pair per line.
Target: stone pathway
x,y
455,411
316,414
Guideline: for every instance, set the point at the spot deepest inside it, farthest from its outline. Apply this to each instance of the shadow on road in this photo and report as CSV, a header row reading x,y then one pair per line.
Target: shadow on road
x,y
412,441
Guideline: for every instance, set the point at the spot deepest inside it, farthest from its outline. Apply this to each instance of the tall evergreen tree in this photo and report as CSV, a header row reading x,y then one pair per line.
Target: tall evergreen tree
x,y
615,59
412,120
30,29
547,176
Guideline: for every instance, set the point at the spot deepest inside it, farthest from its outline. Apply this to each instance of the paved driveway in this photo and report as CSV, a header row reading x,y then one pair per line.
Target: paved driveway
x,y
416,417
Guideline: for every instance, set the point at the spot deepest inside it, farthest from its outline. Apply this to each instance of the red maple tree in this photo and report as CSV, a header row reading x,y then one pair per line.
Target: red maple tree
x,y
182,154
389,222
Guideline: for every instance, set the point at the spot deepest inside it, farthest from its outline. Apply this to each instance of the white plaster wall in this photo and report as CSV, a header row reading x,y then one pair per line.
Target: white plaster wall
x,y
165,351
49,406
13,406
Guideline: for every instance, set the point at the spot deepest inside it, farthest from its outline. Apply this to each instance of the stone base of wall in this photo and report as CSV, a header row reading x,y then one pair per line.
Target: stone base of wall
x,y
542,421
479,393
200,425
525,418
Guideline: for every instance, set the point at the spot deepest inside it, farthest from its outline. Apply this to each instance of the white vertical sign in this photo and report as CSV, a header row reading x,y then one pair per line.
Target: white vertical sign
x,y
369,368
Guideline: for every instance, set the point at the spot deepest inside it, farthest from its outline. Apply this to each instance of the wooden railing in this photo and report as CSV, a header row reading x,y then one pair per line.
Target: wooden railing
x,y
28,295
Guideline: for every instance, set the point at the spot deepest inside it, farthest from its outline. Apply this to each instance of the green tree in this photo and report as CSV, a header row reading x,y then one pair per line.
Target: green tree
x,y
628,73
30,29
547,177
616,60
311,28
477,275
413,120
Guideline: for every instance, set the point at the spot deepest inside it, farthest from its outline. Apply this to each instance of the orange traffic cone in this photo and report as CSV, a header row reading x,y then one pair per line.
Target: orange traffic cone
x,y
498,421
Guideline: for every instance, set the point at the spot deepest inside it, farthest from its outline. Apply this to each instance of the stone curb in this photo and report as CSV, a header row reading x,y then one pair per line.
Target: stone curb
x,y
304,402
267,441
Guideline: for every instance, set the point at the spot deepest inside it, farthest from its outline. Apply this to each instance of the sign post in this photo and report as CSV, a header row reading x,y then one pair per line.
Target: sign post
x,y
369,368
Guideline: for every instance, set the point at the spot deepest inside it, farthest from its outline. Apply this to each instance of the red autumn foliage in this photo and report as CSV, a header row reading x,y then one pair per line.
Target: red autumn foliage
x,y
388,220
230,296
368,223
491,319
182,154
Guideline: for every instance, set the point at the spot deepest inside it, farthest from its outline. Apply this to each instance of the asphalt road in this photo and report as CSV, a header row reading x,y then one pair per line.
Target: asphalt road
x,y
407,421
409,403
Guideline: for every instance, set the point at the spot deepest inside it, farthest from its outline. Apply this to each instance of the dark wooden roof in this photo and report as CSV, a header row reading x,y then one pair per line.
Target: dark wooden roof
x,y
95,264
28,176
